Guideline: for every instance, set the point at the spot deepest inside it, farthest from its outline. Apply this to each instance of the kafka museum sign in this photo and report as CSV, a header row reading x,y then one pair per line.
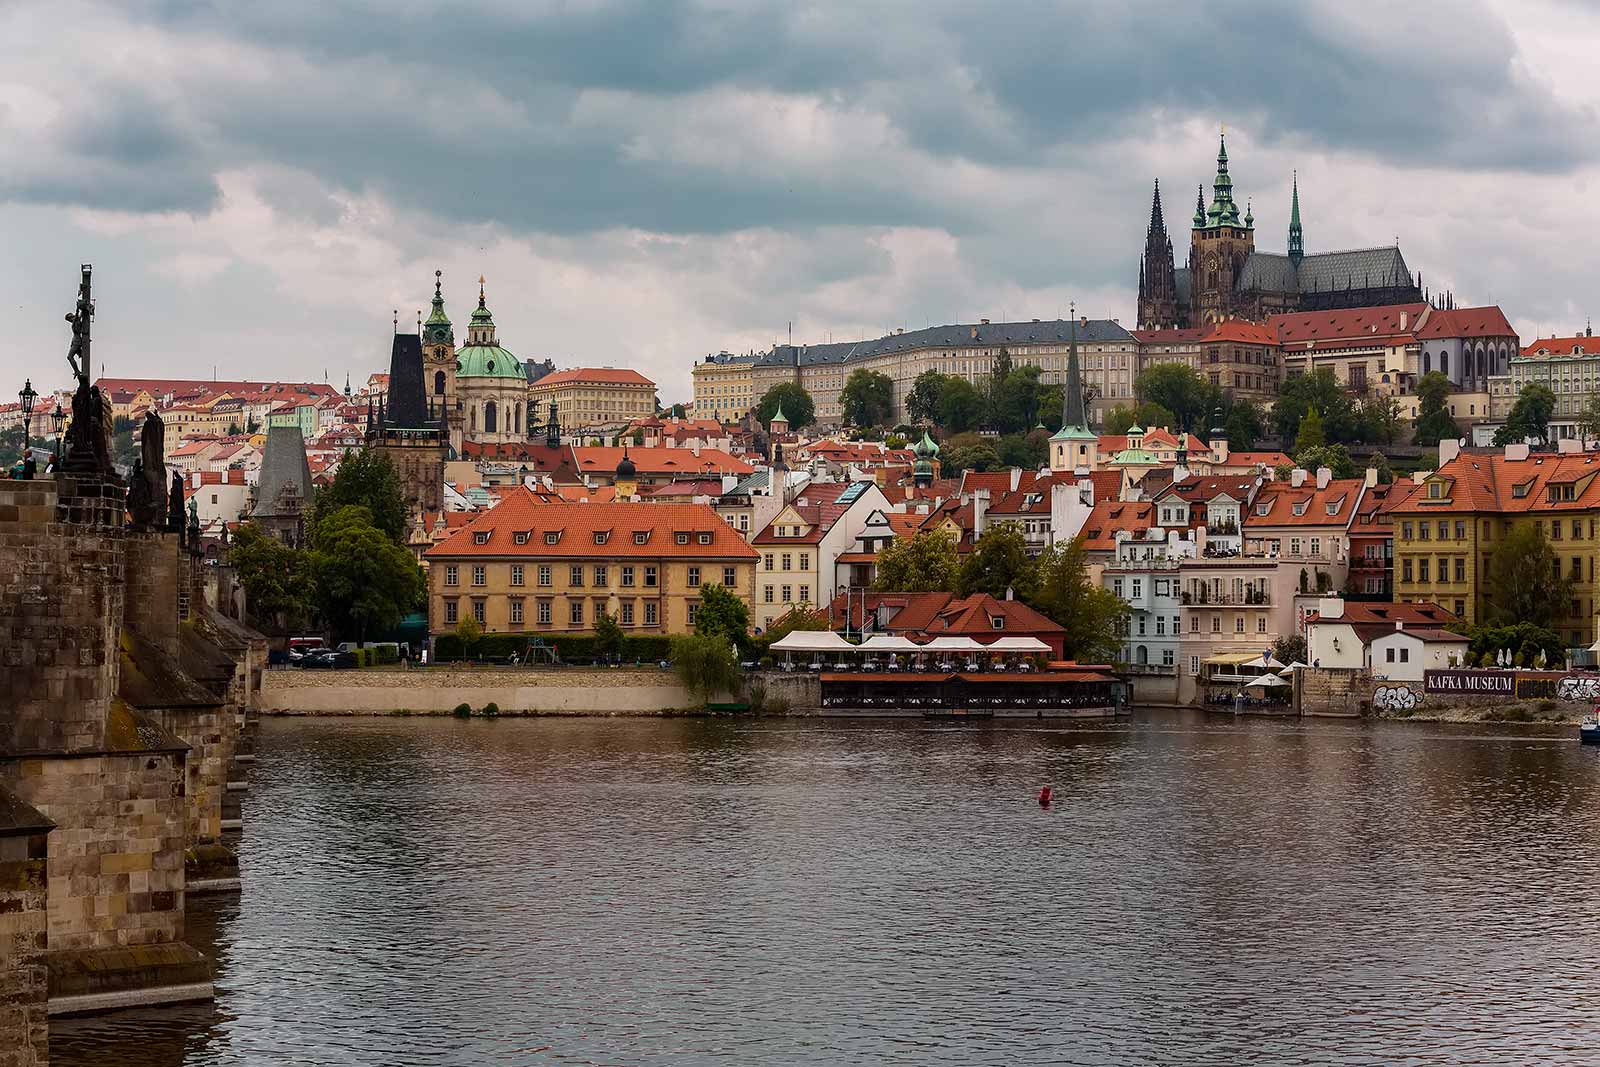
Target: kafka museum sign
x,y
1524,685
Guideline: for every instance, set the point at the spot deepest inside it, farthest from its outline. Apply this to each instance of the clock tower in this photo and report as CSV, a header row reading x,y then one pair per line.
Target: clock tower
x,y
439,364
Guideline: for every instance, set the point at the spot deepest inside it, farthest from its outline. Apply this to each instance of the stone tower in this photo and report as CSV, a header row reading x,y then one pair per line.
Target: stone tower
x,y
410,428
1158,286
439,364
1297,238
1218,246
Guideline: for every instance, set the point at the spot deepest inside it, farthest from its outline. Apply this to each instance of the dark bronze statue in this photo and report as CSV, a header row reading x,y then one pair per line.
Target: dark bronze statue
x,y
88,444
175,522
147,488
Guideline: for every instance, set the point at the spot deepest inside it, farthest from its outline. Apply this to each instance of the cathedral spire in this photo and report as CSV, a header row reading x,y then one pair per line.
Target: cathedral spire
x,y
1297,243
437,328
1199,206
1158,220
1072,413
1223,211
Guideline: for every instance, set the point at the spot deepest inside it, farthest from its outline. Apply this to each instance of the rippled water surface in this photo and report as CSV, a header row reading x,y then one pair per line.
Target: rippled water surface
x,y
424,891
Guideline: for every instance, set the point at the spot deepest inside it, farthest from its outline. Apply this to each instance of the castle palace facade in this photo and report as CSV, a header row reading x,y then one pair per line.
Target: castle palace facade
x,y
1226,278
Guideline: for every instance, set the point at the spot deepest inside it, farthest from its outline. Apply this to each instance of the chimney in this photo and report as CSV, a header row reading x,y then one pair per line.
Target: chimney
x,y
1324,476
1569,445
1016,478
980,511
1449,450
1516,453
1297,477
1372,477
1404,319
1330,607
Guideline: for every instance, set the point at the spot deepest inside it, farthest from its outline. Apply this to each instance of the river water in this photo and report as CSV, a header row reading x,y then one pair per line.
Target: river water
x,y
433,891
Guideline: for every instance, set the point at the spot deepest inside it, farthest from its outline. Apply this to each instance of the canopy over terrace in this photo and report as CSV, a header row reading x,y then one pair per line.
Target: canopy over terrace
x,y
812,641
1016,644
888,643
953,644
1227,667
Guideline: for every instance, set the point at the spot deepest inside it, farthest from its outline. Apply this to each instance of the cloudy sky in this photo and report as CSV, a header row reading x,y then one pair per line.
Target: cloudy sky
x,y
260,185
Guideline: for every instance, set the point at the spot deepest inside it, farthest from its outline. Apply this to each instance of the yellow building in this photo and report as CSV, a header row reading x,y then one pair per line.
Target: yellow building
x,y
724,387
1445,535
592,398
533,566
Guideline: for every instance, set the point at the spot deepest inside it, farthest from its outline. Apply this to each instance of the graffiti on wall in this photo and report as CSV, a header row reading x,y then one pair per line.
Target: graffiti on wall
x,y
1395,698
1581,687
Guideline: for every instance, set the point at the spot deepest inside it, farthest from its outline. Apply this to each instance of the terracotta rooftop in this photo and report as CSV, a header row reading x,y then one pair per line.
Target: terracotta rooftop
x,y
593,530
594,376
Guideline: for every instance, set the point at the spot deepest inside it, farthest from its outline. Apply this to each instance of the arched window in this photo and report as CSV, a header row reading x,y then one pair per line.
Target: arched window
x,y
1427,363
489,420
1444,363
516,425
438,383
1142,655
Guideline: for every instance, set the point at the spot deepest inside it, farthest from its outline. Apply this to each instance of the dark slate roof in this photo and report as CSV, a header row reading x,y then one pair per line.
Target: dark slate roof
x,y
1358,268
283,463
1269,273
406,406
1045,331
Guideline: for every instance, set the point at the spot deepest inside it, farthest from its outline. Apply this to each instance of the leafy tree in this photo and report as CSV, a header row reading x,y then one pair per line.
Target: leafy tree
x,y
960,405
1529,417
364,581
1335,457
723,612
998,562
1525,579
1031,451
923,403
1014,400
1310,433
1290,649
1319,390
798,617
867,399
1589,418
1385,472
1379,419
276,579
1434,423
607,635
923,563
706,664
1050,401
1244,425
1179,389
798,406
1122,417
366,478
979,457
10,445
1094,616
1488,641
468,632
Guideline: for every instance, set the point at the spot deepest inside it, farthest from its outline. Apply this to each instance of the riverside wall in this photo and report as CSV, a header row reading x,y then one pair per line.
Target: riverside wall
x,y
439,690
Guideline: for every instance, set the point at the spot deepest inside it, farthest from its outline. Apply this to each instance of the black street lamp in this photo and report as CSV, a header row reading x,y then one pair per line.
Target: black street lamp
x,y
27,397
58,422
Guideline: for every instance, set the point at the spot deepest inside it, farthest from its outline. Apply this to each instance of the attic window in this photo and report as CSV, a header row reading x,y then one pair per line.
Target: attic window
x,y
602,536
1566,491
997,621
481,537
1436,490
552,537
1335,505
683,538
1262,509
520,537
705,539
1300,507
641,537
1519,490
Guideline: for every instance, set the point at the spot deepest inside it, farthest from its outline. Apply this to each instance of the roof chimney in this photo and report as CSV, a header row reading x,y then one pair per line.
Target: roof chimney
x,y
980,511
1448,450
1297,477
1372,477
1324,476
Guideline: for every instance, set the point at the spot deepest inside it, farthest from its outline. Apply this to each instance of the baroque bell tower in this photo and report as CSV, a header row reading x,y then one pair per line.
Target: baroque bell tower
x,y
439,364
1218,246
1158,286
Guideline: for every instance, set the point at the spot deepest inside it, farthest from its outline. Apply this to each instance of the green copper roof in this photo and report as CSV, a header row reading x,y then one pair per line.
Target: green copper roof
x,y
1223,211
488,361
437,317
1074,433
1136,457
778,415
927,446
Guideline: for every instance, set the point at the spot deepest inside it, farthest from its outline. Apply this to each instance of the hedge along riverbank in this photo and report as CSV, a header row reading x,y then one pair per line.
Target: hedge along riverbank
x,y
641,649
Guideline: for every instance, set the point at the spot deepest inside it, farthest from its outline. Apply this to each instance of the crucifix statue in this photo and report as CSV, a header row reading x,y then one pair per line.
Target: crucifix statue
x,y
88,444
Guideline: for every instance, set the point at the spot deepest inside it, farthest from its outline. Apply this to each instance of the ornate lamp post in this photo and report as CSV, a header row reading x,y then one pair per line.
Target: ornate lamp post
x,y
58,422
27,396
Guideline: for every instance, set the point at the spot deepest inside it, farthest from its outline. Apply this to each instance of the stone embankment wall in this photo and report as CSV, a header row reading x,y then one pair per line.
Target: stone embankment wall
x,y
24,1021
1356,692
438,690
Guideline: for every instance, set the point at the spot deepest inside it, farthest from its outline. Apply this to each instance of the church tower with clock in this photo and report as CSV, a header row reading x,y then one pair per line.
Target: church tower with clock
x,y
439,365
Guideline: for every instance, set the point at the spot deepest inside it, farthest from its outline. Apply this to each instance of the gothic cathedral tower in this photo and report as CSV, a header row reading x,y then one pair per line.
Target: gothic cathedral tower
x,y
1218,246
439,365
1158,286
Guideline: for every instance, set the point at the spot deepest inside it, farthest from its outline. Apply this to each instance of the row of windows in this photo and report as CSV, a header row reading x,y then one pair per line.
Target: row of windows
x,y
545,611
629,575
1424,530
786,559
785,594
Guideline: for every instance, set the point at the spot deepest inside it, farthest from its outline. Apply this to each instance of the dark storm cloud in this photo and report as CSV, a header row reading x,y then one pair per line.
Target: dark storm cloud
x,y
480,115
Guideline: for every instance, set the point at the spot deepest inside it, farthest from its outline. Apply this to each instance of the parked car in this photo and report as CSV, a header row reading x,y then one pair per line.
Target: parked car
x,y
328,659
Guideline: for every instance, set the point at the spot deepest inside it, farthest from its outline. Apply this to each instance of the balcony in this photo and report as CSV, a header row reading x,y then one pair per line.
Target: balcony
x,y
1252,598
1155,669
1163,563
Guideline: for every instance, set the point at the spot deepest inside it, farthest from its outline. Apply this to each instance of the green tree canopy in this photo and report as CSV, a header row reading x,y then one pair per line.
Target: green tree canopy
x,y
798,406
1335,457
1014,399
276,579
1094,616
1523,639
798,617
1379,419
1244,425
1319,390
927,394
706,664
1050,401
1178,388
1434,423
867,399
1529,417
1525,581
1385,472
1310,434
723,612
982,456
607,634
960,405
1030,451
1291,649
365,583
366,478
998,562
923,563
1148,414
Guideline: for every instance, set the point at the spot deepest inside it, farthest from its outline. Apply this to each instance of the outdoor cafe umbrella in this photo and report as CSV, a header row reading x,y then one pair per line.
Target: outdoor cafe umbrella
x,y
1265,662
1266,681
1291,668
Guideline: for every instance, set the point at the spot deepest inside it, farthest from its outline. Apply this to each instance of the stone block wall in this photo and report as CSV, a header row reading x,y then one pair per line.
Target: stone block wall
x,y
116,858
1326,691
61,607
151,606
24,887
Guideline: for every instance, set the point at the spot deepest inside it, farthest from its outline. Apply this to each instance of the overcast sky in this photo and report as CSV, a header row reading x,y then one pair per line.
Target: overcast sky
x,y
260,185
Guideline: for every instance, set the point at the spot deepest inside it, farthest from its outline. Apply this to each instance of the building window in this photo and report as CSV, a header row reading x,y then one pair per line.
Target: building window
x,y
1461,609
544,575
1388,655
627,576
1216,624
575,612
451,612
575,578
480,537
1261,624
1238,625
788,561
477,611
641,537
766,594
694,577
1461,531
516,612
1461,570
683,538
766,561
601,575
520,537
1194,664
650,613
552,537
805,592
516,574
1405,570
704,538
544,613
694,611
452,575
729,576
478,574
650,577
627,613
1194,624
1405,655
788,594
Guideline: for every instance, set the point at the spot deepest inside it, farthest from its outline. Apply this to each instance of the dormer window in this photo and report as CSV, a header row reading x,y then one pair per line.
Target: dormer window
x,y
480,537
705,539
1300,507
1262,509
1559,493
602,536
552,537
520,537
642,537
1436,490
1519,490
998,622
682,538
1335,505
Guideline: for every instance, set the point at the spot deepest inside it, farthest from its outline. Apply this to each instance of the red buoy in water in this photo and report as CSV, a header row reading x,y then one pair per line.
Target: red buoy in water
x,y
1044,797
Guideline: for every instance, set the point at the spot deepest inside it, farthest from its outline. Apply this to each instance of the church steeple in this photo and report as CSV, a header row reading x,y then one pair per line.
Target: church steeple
x,y
1223,211
436,330
1297,243
1199,206
1158,288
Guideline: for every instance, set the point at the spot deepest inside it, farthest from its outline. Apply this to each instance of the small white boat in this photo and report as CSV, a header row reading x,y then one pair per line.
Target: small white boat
x,y
1589,731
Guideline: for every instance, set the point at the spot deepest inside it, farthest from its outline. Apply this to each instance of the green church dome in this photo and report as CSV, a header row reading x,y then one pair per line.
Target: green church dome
x,y
488,361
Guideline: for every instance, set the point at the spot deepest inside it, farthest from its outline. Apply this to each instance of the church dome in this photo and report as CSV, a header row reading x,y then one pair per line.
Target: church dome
x,y
626,469
488,361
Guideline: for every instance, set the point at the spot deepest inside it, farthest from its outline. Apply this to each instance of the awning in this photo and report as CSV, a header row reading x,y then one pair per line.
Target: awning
x,y
1231,659
1267,662
812,641
1266,681
1018,644
952,644
889,643
893,677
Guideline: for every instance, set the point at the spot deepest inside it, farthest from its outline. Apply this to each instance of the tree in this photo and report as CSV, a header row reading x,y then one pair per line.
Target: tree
x,y
1123,417
1589,418
960,406
705,664
1434,423
723,612
923,563
1014,400
982,456
926,396
366,478
1309,434
1335,457
1488,641
276,579
1385,472
1031,451
1050,401
997,563
1094,617
607,635
1290,649
365,582
798,617
1525,579
867,399
797,404
1319,390
1244,425
1529,417
1379,418
1179,389
468,632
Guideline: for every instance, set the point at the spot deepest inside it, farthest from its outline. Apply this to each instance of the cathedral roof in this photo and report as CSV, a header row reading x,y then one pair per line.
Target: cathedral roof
x,y
487,361
1273,272
1047,331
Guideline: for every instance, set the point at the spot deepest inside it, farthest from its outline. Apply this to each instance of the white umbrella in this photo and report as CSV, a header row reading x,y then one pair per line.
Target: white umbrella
x,y
1291,668
1266,662
1266,681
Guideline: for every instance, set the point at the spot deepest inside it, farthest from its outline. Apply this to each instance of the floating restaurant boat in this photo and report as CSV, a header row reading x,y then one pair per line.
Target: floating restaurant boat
x,y
1062,690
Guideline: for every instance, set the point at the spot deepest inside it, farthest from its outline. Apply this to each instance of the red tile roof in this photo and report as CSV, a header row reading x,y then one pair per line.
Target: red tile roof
x,y
1249,333
594,376
577,526
603,460
1110,516
1494,483
1581,345
1201,490
1369,322
1282,501
1170,337
1487,321
695,488
946,615
1272,460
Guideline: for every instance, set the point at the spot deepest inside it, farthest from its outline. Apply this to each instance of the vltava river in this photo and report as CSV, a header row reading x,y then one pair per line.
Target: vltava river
x,y
428,891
